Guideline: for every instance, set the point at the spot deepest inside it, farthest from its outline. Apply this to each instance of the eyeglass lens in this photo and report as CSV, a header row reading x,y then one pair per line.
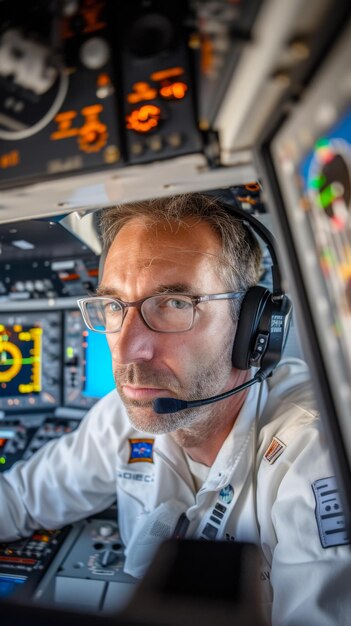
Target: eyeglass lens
x,y
162,313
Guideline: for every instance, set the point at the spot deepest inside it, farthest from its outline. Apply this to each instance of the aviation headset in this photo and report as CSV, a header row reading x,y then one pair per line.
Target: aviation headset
x,y
265,315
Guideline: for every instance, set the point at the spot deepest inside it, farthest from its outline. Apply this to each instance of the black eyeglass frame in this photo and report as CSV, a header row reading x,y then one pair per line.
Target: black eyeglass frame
x,y
195,300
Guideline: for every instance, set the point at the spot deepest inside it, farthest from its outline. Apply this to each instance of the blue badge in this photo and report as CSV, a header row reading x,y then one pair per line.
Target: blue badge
x,y
329,514
226,494
141,450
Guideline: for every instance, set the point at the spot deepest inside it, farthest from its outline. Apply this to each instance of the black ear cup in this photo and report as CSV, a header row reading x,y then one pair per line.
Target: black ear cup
x,y
250,314
262,330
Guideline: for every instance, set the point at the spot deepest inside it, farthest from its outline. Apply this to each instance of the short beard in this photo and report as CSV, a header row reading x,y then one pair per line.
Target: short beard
x,y
203,384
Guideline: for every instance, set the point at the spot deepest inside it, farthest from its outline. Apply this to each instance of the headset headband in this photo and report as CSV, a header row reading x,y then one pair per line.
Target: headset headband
x,y
229,202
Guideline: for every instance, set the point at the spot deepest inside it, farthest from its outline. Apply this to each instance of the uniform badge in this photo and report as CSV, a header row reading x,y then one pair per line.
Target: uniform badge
x,y
274,450
329,514
141,450
226,494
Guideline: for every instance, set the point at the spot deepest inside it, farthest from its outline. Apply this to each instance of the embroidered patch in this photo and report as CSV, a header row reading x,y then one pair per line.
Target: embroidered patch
x,y
141,450
226,494
329,514
274,450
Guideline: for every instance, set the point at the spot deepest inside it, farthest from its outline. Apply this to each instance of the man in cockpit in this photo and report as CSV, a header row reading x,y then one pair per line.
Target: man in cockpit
x,y
251,467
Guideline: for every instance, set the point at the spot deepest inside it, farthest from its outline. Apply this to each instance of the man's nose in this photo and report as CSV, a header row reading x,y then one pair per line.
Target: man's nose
x,y
134,342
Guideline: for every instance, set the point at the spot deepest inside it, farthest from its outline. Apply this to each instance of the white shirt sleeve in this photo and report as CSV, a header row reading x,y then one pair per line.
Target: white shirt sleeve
x,y
66,480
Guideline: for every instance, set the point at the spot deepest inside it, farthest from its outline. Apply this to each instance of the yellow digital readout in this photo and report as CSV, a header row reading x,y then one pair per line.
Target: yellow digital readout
x,y
11,355
12,359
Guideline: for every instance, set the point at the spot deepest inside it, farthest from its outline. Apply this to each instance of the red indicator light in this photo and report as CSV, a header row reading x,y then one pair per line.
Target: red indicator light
x,y
17,560
44,538
67,277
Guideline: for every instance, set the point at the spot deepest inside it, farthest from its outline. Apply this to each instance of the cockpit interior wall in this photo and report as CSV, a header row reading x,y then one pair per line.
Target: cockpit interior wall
x,y
111,101
307,167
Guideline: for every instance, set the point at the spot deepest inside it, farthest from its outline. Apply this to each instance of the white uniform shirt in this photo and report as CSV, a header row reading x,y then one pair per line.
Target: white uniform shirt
x,y
267,486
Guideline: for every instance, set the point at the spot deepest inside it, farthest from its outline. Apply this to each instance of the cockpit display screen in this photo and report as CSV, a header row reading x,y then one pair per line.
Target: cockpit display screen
x,y
87,363
20,359
326,177
311,157
30,346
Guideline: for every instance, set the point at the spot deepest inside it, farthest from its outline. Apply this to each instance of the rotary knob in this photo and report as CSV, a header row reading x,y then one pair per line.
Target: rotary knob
x,y
106,530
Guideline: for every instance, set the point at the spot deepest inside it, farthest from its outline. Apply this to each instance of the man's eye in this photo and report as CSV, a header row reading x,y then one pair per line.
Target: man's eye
x,y
177,303
112,307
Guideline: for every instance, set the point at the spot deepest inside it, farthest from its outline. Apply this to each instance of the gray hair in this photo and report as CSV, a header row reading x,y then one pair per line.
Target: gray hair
x,y
241,253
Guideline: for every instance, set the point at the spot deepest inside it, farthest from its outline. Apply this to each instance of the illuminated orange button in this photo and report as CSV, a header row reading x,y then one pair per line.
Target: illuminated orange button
x,y
103,80
39,537
92,137
174,91
10,159
171,72
252,187
64,121
141,91
144,119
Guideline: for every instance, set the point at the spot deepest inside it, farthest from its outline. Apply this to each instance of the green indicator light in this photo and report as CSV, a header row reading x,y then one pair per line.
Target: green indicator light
x,y
69,352
326,197
338,328
328,253
2,460
317,182
323,142
26,361
328,257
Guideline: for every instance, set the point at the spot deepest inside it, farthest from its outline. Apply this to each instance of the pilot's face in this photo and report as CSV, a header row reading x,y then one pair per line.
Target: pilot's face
x,y
188,365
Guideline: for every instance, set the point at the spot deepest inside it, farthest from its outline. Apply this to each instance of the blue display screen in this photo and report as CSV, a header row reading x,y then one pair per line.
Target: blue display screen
x,y
9,585
336,140
87,363
98,368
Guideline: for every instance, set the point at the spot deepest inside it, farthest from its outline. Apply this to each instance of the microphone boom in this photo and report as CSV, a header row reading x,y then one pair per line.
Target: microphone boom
x,y
173,405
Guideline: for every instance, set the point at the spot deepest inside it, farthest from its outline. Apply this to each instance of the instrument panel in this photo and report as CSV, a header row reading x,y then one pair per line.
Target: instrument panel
x,y
79,566
101,90
30,351
48,378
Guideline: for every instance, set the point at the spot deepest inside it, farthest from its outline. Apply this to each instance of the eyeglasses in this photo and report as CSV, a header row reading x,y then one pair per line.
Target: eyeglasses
x,y
165,313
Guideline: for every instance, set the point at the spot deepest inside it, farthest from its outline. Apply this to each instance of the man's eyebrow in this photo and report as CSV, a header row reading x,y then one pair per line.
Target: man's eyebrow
x,y
160,289
103,291
174,288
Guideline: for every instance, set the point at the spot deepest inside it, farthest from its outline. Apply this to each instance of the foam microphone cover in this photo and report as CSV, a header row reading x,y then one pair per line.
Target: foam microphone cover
x,y
169,405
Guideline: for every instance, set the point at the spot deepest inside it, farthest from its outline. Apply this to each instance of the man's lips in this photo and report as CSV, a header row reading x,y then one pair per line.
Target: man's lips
x,y
143,393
